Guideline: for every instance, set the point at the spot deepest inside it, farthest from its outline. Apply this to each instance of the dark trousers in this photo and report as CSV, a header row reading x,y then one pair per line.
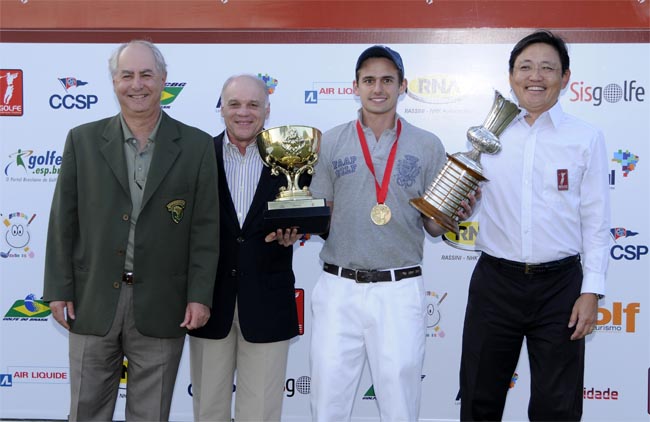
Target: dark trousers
x,y
504,306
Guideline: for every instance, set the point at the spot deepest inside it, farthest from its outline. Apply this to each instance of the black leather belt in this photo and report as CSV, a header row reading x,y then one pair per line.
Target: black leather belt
x,y
372,276
545,267
127,277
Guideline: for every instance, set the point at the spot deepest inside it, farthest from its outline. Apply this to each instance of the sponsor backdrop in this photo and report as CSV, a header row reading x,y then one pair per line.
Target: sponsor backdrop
x,y
450,89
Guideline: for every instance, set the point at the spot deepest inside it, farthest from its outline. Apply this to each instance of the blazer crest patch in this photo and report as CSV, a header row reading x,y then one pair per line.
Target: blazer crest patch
x,y
176,209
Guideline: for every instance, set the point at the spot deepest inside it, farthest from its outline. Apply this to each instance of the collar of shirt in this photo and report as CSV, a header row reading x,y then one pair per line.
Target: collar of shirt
x,y
128,135
231,148
392,131
554,115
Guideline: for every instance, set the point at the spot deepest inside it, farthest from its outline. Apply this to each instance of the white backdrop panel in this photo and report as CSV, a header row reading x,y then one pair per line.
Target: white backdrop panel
x,y
450,90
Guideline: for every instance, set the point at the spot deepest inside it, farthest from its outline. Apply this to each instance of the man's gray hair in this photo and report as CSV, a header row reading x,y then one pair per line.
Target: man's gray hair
x,y
161,66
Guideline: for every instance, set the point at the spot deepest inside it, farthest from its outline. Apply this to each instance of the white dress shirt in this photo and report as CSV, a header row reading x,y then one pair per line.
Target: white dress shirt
x,y
547,197
243,174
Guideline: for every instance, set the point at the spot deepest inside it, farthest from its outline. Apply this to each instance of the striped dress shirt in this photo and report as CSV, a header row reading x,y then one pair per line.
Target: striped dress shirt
x,y
243,174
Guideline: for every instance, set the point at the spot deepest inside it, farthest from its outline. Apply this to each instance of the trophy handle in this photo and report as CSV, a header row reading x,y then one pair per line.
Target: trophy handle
x,y
308,167
462,173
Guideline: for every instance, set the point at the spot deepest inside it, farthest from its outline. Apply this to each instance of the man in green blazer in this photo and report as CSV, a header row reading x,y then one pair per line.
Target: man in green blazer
x,y
133,244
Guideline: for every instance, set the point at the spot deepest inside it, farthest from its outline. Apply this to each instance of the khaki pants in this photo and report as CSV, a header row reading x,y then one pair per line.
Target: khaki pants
x,y
260,371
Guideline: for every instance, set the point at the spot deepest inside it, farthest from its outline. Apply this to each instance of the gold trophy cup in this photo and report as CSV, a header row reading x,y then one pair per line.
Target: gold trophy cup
x,y
293,150
462,173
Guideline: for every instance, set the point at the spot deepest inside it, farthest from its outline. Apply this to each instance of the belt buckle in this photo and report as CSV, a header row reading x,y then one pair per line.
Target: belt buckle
x,y
527,268
356,276
363,273
533,268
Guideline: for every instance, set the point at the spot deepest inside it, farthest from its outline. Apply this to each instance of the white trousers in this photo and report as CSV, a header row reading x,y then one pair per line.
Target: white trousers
x,y
383,322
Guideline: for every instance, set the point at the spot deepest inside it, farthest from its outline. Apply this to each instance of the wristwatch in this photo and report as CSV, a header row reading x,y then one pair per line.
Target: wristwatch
x,y
599,296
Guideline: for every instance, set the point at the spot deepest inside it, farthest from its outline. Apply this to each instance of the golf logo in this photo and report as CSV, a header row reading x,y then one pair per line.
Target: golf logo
x,y
28,309
433,302
17,236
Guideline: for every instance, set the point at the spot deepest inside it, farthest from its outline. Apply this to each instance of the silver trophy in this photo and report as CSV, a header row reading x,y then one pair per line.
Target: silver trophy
x,y
462,173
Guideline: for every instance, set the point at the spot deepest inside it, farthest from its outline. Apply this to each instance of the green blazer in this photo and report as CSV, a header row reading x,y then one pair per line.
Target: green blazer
x,y
176,238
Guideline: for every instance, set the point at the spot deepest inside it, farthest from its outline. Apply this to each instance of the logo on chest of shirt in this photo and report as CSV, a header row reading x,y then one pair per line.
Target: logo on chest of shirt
x,y
408,169
562,179
345,165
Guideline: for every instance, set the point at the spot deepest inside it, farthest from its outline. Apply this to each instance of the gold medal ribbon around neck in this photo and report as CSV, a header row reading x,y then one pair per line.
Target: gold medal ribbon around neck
x,y
380,213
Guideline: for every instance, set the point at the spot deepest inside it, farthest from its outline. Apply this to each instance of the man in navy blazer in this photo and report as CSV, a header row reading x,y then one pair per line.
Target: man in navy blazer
x,y
131,244
254,309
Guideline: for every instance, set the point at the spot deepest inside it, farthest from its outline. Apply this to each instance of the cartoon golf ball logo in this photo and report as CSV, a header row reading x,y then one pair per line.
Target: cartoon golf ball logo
x,y
17,235
433,302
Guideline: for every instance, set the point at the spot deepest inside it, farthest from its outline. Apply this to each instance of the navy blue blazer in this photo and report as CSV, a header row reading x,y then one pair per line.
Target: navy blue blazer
x,y
257,274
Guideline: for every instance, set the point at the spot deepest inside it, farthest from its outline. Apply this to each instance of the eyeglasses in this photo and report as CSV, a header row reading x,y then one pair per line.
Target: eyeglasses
x,y
544,69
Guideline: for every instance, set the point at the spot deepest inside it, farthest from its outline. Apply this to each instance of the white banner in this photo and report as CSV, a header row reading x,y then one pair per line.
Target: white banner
x,y
45,89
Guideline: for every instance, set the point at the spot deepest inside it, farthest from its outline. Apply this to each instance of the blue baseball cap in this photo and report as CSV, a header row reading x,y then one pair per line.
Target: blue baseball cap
x,y
381,51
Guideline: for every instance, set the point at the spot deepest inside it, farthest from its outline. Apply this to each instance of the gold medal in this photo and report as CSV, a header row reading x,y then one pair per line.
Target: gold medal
x,y
380,214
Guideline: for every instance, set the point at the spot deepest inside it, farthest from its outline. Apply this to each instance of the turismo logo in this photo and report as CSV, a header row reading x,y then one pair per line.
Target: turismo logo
x,y
434,317
28,309
170,92
27,165
11,91
618,318
17,237
628,91
68,101
436,88
627,252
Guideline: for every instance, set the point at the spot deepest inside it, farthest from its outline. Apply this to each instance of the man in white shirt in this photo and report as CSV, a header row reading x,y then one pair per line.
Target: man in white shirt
x,y
544,221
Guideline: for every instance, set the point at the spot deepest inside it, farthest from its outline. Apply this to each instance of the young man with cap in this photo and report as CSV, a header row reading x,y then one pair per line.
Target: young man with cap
x,y
369,300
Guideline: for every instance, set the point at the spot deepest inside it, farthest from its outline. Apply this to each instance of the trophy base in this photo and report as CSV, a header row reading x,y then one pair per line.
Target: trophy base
x,y
431,212
308,215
